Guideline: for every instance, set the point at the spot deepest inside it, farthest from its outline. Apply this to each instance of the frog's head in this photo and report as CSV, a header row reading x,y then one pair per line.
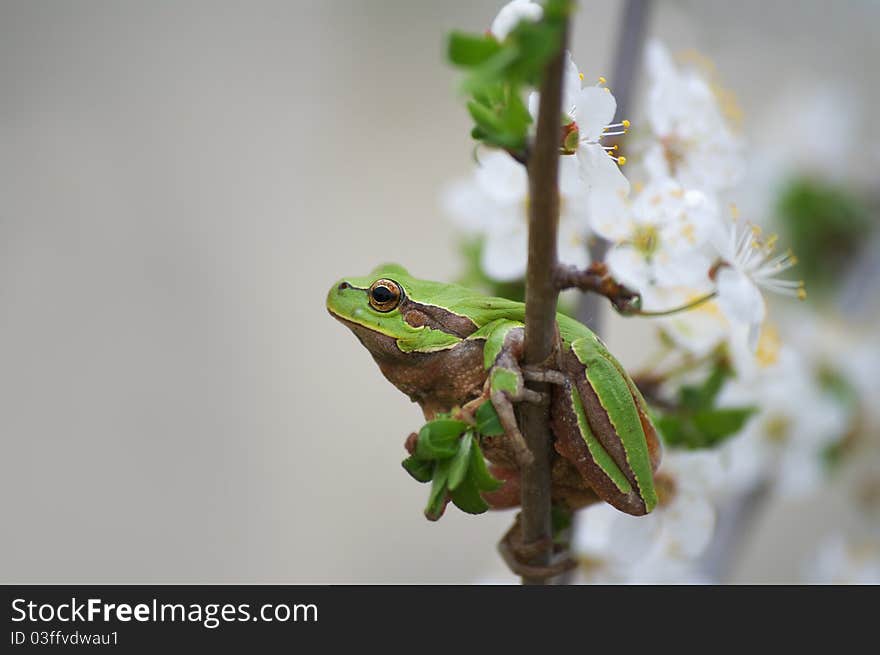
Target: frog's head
x,y
392,313
370,307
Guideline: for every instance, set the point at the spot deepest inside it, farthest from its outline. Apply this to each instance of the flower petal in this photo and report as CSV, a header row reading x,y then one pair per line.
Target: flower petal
x,y
572,244
512,13
739,298
505,252
601,172
629,267
571,84
466,205
688,524
633,537
501,178
594,110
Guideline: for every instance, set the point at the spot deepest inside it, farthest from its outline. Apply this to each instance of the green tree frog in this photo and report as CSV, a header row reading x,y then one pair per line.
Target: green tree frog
x,y
450,349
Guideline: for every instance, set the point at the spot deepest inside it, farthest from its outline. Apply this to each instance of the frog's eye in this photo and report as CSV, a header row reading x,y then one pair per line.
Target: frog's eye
x,y
385,295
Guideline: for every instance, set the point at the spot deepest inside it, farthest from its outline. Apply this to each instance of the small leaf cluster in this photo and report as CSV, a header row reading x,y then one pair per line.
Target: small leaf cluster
x,y
696,421
498,72
448,455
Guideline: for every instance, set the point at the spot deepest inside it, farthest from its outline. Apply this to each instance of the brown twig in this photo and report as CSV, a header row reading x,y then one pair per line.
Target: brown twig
x,y
541,298
596,279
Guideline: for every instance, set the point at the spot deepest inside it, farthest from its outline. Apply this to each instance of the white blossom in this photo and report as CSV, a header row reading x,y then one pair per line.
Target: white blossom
x,y
663,546
656,236
748,264
698,330
510,15
493,204
841,560
795,423
691,138
588,112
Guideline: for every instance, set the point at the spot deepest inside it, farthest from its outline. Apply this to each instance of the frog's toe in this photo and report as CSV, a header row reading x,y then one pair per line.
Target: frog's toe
x,y
541,374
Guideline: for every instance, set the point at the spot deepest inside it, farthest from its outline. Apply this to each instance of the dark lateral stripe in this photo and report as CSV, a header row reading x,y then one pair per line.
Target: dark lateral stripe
x,y
442,319
600,456
616,397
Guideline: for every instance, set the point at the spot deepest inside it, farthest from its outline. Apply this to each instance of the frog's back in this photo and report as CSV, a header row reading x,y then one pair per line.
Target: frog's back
x,y
485,309
472,304
570,329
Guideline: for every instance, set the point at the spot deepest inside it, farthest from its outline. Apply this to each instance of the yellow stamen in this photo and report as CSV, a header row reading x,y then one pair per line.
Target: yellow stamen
x,y
646,239
602,80
621,160
769,345
777,428
581,76
801,292
689,233
626,123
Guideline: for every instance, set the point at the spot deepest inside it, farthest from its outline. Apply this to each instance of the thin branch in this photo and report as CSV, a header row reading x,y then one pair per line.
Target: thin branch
x,y
676,310
596,279
541,298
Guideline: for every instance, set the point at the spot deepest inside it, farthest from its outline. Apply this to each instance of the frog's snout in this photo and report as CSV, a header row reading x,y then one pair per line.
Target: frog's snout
x,y
337,298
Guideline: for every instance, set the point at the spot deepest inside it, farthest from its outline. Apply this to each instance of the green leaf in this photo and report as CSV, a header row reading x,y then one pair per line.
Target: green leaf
x,y
838,387
438,439
500,73
672,429
467,498
827,226
535,43
459,466
479,472
502,127
703,429
437,498
420,469
495,71
488,423
717,424
703,397
470,50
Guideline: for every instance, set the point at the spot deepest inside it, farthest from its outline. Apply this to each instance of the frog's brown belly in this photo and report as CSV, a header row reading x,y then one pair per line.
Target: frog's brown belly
x,y
438,381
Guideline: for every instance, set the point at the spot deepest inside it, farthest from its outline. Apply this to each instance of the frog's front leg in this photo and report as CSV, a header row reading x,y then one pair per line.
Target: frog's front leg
x,y
502,353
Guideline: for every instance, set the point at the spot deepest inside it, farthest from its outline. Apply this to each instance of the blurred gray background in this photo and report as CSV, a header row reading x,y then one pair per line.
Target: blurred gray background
x,y
180,183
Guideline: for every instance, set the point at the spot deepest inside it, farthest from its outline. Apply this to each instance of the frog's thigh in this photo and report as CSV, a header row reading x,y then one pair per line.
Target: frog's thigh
x,y
576,417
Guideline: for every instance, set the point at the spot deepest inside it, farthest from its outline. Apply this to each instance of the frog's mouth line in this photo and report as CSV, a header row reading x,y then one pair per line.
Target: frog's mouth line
x,y
356,327
389,348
